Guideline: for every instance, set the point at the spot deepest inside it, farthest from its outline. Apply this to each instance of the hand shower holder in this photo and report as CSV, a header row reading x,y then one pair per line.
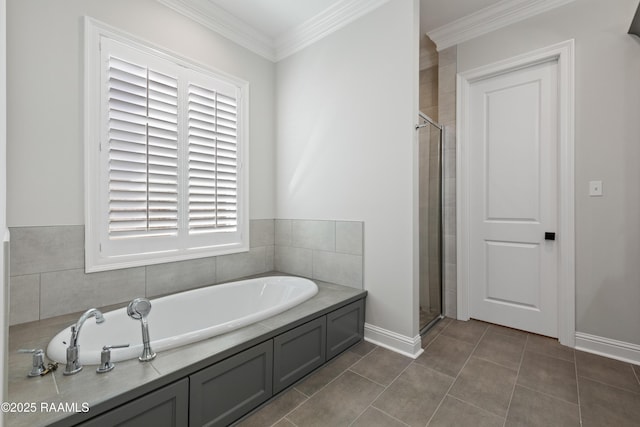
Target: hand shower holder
x,y
139,309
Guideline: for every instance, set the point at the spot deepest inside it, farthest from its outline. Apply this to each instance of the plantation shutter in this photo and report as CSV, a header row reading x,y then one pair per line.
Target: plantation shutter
x,y
165,143
143,151
213,161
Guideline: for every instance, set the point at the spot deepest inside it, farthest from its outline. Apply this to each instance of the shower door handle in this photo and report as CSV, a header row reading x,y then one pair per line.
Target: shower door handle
x,y
549,235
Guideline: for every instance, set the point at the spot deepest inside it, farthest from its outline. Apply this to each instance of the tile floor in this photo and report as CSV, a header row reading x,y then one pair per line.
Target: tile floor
x,y
470,374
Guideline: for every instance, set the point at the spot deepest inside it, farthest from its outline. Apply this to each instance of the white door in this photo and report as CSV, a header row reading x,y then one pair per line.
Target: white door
x,y
513,143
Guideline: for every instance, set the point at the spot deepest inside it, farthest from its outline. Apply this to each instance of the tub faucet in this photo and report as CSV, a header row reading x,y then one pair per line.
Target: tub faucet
x,y
139,309
73,364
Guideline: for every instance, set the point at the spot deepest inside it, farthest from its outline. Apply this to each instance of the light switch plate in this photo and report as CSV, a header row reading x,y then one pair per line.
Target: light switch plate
x,y
595,188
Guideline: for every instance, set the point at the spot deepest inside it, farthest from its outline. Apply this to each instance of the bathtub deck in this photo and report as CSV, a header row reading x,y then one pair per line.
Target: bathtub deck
x,y
131,379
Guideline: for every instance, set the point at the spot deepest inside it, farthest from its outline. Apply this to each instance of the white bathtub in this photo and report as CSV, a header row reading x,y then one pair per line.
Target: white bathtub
x,y
186,317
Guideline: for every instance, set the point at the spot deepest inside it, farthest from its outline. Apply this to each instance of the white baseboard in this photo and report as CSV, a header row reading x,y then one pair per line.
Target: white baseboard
x,y
619,350
407,346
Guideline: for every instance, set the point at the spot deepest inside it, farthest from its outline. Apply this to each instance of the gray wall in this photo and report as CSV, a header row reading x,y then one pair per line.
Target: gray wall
x,y
346,111
607,135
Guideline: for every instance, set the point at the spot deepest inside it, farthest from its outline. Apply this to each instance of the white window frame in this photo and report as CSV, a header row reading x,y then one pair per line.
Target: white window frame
x,y
99,252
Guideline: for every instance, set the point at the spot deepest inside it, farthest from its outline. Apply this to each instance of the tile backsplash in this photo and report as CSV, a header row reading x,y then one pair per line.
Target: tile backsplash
x,y
48,278
331,251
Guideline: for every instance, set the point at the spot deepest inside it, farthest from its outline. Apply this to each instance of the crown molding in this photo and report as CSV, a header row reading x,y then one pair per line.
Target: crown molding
x,y
326,22
489,19
222,22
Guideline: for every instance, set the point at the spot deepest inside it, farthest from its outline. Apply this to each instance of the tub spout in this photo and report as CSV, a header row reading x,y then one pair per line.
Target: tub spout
x,y
139,309
73,364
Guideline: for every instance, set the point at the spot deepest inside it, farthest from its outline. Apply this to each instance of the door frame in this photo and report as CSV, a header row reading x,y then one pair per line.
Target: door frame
x,y
563,53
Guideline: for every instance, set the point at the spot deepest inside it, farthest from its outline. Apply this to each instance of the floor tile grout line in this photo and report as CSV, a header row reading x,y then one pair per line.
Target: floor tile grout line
x,y
538,353
288,420
348,368
575,364
475,406
450,337
456,377
324,386
437,335
617,387
635,373
498,363
547,394
386,413
379,394
366,378
301,392
515,383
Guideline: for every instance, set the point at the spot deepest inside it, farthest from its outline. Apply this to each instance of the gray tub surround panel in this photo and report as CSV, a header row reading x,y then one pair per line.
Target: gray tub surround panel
x,y
262,232
298,261
172,277
46,249
331,251
48,278
334,267
68,291
258,260
349,237
25,296
132,379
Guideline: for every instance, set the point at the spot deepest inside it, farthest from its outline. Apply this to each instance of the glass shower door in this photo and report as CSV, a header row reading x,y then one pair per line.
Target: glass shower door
x,y
430,222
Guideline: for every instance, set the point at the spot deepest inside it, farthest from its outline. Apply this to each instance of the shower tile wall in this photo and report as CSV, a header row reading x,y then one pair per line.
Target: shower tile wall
x,y
429,92
447,68
48,278
331,251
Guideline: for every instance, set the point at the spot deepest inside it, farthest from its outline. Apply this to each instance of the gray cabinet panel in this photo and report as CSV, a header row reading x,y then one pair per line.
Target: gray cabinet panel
x,y
166,407
345,327
298,352
224,392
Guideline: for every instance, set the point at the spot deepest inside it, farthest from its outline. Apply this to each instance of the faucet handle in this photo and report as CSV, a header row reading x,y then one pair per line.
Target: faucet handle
x,y
37,365
105,358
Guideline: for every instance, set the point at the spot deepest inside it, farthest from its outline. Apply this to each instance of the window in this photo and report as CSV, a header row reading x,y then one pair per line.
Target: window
x,y
165,143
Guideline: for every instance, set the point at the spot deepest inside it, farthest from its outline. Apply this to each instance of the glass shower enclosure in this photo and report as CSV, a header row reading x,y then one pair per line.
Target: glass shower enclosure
x,y
430,153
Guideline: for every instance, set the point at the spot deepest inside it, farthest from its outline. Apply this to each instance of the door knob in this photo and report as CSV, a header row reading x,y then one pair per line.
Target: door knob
x,y
549,235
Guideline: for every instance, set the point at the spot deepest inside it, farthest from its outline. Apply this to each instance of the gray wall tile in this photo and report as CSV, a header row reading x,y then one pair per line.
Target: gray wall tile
x,y
294,260
262,232
270,257
342,269
63,292
446,114
24,299
43,249
283,232
320,235
234,266
450,303
163,279
349,237
61,287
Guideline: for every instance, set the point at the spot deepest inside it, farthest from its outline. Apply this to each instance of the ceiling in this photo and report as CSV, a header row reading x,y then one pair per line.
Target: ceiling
x,y
437,13
273,18
276,29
